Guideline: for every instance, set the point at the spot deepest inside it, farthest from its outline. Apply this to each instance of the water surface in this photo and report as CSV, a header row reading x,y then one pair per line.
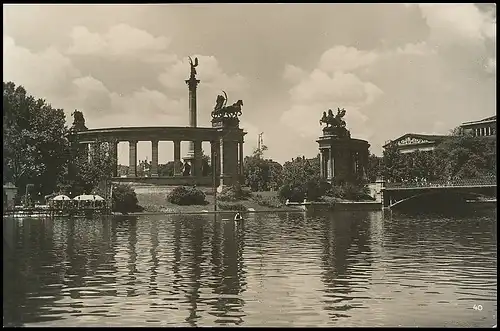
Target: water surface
x,y
283,269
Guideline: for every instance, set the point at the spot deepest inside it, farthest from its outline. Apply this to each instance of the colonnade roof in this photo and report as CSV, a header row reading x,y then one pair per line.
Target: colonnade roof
x,y
164,133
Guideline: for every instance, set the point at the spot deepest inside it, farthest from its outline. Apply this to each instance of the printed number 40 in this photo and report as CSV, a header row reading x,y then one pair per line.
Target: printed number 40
x,y
477,307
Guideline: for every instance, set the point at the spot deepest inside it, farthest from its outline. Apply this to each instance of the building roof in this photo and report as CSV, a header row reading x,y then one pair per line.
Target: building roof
x,y
418,138
488,119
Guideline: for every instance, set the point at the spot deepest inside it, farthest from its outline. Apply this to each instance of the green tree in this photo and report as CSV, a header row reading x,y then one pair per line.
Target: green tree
x,y
374,168
301,178
393,165
35,148
261,174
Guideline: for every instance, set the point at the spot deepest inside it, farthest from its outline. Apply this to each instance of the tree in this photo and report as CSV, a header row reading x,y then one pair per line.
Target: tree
x,y
393,164
35,148
261,174
374,168
301,178
90,171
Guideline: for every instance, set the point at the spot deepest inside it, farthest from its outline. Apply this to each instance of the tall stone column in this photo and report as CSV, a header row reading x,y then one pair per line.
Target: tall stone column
x,y
240,149
197,159
221,164
214,149
154,158
113,151
132,158
177,158
192,83
321,164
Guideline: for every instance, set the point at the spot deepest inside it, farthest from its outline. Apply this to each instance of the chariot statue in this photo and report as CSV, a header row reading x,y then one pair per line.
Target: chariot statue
x,y
334,123
223,111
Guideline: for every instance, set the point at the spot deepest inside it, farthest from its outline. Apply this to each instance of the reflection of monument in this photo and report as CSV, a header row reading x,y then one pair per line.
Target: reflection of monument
x,y
342,158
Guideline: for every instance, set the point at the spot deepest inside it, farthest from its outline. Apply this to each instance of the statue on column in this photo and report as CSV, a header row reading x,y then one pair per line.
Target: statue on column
x,y
193,66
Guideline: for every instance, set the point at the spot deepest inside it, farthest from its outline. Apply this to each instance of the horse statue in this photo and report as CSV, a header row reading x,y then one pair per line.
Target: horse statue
x,y
193,66
339,116
221,110
329,119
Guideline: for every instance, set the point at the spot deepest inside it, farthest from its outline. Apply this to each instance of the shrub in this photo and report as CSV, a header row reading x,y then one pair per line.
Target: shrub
x,y
184,196
231,206
313,189
349,191
233,193
125,199
272,202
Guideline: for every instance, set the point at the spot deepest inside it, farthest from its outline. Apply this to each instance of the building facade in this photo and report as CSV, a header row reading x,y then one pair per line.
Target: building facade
x,y
481,128
412,142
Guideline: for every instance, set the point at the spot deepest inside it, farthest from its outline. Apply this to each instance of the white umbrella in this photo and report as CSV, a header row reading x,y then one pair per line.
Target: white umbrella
x,y
61,197
88,197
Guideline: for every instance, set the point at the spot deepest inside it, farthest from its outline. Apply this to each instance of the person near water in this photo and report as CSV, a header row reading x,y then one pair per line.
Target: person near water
x,y
238,217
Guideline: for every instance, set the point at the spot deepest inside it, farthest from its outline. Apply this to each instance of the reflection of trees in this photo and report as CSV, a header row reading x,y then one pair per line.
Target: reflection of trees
x,y
345,249
29,262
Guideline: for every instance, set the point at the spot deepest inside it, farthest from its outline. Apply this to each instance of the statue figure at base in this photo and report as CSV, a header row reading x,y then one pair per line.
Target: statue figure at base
x,y
186,171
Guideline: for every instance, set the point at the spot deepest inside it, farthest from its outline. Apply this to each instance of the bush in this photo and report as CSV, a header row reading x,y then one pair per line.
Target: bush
x,y
125,199
272,202
233,193
185,196
313,189
349,191
231,206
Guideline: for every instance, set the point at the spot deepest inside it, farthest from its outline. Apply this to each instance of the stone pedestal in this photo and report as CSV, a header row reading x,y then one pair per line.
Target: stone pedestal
x,y
342,159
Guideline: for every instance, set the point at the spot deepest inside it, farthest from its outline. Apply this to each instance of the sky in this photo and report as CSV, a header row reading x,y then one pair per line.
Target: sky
x,y
395,68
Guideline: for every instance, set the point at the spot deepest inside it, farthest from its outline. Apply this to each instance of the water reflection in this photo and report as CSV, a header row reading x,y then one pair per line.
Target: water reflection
x,y
283,269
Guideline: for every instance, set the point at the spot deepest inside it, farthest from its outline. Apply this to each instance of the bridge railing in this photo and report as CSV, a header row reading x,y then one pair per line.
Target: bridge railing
x,y
487,181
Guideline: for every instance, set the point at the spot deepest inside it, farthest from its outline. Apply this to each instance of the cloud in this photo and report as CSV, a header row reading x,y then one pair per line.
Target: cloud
x,y
451,23
43,73
342,58
294,74
120,40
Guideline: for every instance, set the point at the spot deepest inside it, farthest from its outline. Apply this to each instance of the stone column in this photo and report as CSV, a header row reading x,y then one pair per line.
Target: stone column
x,y
331,160
192,83
240,145
197,160
321,164
113,151
154,158
177,158
132,158
221,164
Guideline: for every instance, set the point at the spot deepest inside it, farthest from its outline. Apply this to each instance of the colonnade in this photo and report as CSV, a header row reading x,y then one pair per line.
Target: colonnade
x,y
231,162
342,164
484,131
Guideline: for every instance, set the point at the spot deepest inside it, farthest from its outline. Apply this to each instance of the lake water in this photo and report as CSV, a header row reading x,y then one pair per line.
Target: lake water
x,y
282,269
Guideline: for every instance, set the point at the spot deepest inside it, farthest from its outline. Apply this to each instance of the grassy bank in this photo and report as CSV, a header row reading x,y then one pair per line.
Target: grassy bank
x,y
156,202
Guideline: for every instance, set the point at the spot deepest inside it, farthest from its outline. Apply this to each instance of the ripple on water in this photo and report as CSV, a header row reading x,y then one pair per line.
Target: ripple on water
x,y
343,269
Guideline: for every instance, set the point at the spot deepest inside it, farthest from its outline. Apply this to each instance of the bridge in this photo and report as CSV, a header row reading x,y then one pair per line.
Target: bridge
x,y
394,194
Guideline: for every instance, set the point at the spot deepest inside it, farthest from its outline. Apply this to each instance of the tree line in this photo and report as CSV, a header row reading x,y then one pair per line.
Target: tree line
x,y
38,151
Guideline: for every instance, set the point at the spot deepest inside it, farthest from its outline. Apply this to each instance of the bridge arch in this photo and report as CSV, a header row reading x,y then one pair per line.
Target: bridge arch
x,y
419,195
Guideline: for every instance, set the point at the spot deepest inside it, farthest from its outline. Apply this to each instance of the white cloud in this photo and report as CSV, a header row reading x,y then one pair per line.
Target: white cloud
x,y
41,73
120,40
451,23
294,74
342,58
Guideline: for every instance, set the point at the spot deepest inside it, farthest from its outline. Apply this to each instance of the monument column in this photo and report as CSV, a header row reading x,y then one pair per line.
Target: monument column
x,y
91,150
321,164
192,83
154,158
331,159
241,159
177,158
214,149
132,158
113,151
221,164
